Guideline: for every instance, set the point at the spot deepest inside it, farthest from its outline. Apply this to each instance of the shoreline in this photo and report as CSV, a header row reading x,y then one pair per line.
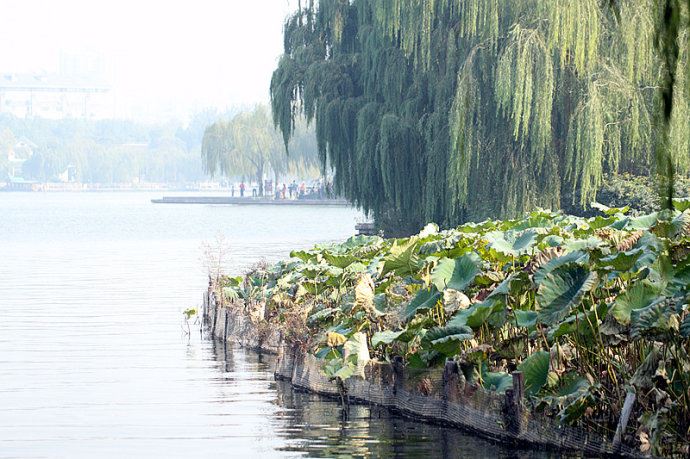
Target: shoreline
x,y
449,401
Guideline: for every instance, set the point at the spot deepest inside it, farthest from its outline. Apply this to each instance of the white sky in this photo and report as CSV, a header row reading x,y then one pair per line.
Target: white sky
x,y
165,58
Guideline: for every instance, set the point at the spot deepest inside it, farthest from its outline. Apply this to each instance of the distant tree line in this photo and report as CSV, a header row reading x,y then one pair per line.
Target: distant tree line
x,y
105,151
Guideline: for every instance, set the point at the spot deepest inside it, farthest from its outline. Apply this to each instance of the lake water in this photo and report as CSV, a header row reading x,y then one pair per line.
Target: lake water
x,y
94,363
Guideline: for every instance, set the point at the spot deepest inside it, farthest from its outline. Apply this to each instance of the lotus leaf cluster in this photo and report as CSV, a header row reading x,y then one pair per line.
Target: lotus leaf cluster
x,y
589,309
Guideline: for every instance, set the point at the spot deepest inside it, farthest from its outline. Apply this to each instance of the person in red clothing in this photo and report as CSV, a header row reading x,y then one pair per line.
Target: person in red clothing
x,y
242,187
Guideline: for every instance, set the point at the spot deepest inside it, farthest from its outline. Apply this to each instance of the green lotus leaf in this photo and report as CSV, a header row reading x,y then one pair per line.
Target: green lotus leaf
x,y
654,321
446,340
590,243
563,289
600,222
321,315
639,296
622,261
535,369
456,274
356,268
577,257
685,327
385,337
302,255
488,278
643,222
477,314
497,382
680,225
572,384
345,372
424,300
610,210
512,243
552,240
514,282
416,361
340,261
403,259
338,367
361,241
329,353
381,302
526,319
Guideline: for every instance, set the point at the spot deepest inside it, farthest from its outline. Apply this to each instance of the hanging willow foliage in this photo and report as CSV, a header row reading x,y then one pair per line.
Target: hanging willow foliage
x,y
248,145
449,110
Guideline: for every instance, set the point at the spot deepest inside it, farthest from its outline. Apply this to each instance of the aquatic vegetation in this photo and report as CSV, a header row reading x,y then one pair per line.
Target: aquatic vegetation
x,y
188,314
589,309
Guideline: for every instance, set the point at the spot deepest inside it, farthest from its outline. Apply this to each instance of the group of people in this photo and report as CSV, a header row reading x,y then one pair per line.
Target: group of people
x,y
292,191
320,190
242,187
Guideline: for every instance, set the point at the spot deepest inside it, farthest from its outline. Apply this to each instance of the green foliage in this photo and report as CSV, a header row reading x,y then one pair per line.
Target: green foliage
x,y
536,370
403,258
425,300
248,145
104,151
577,304
638,192
189,313
446,340
513,243
445,111
497,382
385,337
563,289
456,274
639,296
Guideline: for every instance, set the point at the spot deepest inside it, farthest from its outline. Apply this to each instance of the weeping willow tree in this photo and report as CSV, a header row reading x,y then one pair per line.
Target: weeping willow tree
x,y
454,110
249,145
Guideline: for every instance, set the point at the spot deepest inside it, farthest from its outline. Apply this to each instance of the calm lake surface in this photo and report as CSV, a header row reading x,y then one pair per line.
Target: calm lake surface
x,y
93,361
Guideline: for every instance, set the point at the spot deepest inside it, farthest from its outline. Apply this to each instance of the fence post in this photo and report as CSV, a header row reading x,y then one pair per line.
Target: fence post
x,y
398,373
513,406
623,421
450,380
204,307
225,331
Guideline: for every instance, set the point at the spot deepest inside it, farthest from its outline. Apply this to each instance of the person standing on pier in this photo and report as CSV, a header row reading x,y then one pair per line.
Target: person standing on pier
x,y
242,187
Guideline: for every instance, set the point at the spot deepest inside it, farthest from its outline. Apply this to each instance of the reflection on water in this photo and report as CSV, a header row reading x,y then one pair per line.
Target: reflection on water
x,y
93,360
317,426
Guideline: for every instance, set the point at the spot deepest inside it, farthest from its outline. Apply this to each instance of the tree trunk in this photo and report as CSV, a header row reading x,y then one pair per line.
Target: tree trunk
x,y
260,178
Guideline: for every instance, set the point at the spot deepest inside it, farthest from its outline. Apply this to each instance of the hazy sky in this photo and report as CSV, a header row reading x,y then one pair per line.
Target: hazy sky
x,y
164,57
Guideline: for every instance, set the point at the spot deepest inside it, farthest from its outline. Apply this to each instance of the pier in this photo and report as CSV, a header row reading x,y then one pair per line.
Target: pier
x,y
226,200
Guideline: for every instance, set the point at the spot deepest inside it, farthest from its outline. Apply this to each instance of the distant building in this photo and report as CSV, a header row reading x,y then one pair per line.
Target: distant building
x,y
54,96
17,156
69,175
